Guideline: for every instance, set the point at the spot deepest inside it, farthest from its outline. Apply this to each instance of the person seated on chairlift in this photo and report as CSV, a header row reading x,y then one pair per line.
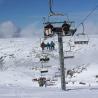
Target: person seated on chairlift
x,y
48,46
52,44
48,30
65,28
43,45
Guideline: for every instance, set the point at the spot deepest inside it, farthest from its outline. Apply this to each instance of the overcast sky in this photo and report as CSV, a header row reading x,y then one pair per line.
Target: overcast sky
x,y
27,14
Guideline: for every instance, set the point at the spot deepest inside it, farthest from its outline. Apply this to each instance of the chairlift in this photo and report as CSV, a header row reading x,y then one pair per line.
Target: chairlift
x,y
50,27
44,58
44,70
81,38
68,54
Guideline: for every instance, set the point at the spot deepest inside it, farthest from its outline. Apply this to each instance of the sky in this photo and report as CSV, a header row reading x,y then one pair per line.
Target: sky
x,y
27,15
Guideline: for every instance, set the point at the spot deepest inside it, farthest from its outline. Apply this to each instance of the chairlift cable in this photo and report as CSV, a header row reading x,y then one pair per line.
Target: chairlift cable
x,y
82,23
88,15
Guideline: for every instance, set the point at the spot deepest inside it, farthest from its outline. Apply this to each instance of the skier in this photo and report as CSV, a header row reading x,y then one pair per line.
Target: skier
x,y
48,46
52,45
43,45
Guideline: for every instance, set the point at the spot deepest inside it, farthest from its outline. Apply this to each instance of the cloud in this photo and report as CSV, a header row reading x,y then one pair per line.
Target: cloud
x,y
91,28
8,29
31,30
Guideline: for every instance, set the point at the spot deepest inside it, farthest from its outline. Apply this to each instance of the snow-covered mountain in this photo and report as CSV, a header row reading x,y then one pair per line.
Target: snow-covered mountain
x,y
20,62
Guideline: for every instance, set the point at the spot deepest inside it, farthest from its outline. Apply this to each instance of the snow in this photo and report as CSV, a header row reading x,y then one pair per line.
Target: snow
x,y
15,92
20,63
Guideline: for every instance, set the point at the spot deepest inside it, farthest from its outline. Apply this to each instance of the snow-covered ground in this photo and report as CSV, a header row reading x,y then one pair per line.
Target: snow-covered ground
x,y
20,63
15,92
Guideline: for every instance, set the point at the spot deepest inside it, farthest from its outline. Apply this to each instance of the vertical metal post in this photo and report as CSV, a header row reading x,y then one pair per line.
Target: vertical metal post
x,y
61,58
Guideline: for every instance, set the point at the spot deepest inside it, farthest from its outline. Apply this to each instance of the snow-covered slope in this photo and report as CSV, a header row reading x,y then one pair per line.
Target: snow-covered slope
x,y
20,62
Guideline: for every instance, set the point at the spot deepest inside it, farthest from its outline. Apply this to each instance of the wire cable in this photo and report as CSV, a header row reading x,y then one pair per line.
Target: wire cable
x,y
88,15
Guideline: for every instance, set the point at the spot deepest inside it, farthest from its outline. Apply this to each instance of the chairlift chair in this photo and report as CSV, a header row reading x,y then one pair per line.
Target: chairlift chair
x,y
68,54
44,58
44,70
51,29
81,38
